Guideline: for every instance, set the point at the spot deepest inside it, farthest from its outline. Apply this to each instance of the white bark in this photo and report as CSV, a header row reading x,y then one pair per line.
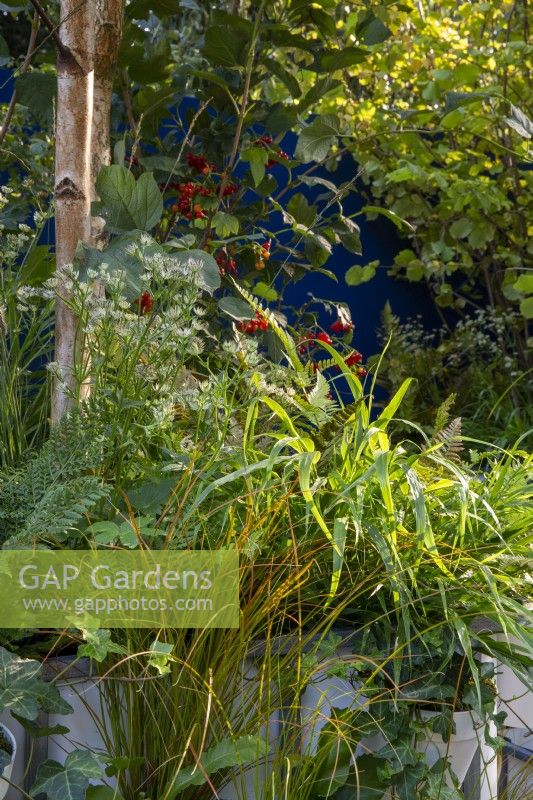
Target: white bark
x,y
90,34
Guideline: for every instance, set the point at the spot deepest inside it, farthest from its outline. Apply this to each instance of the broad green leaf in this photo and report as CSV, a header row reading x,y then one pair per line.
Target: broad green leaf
x,y
23,691
37,91
102,793
317,91
265,291
386,212
317,248
300,209
461,228
371,30
278,70
208,270
526,308
359,274
345,57
236,308
316,140
258,158
223,47
240,752
68,782
5,58
127,204
524,283
98,644
225,224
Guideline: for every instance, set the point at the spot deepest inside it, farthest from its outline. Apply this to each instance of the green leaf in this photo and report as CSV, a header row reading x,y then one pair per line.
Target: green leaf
x,y
225,224
385,212
333,60
223,47
22,690
364,781
524,283
118,256
98,644
265,291
68,782
258,158
273,66
300,209
5,58
38,265
37,731
228,753
318,90
526,308
160,656
236,308
127,204
461,228
37,91
358,274
316,140
371,30
317,249
209,272
282,36
520,123
102,793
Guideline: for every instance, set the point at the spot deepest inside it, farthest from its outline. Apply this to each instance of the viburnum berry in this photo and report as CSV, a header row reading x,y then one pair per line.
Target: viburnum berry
x,y
259,264
361,372
353,359
200,163
259,323
323,337
226,265
146,303
265,251
339,327
230,189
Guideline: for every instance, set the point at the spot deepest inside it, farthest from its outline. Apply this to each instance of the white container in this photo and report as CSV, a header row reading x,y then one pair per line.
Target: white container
x,y
462,746
18,769
6,774
514,697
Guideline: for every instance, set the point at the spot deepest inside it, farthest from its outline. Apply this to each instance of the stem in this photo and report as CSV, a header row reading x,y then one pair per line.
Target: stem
x,y
24,68
52,27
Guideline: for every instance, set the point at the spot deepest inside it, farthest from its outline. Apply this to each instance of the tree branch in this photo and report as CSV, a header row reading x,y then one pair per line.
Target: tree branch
x,y
24,68
64,51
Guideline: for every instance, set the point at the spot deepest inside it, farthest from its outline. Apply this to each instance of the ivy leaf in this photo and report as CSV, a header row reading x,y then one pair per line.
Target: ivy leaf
x,y
316,140
98,644
23,691
68,782
127,204
225,754
340,59
37,91
258,158
225,224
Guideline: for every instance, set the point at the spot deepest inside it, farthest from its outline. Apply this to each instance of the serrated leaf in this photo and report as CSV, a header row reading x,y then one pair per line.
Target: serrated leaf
x,y
286,77
223,47
127,204
225,224
300,209
317,249
316,140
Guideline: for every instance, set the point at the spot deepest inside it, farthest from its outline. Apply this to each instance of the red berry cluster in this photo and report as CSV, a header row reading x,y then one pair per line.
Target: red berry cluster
x,y
229,189
339,327
226,264
267,141
185,202
313,339
145,303
263,254
200,163
259,323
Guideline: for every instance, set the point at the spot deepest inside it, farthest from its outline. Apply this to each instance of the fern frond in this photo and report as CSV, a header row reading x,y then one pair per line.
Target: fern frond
x,y
451,439
323,364
328,431
442,416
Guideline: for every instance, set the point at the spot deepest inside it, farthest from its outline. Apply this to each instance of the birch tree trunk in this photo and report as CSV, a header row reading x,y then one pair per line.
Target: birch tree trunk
x,y
90,37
